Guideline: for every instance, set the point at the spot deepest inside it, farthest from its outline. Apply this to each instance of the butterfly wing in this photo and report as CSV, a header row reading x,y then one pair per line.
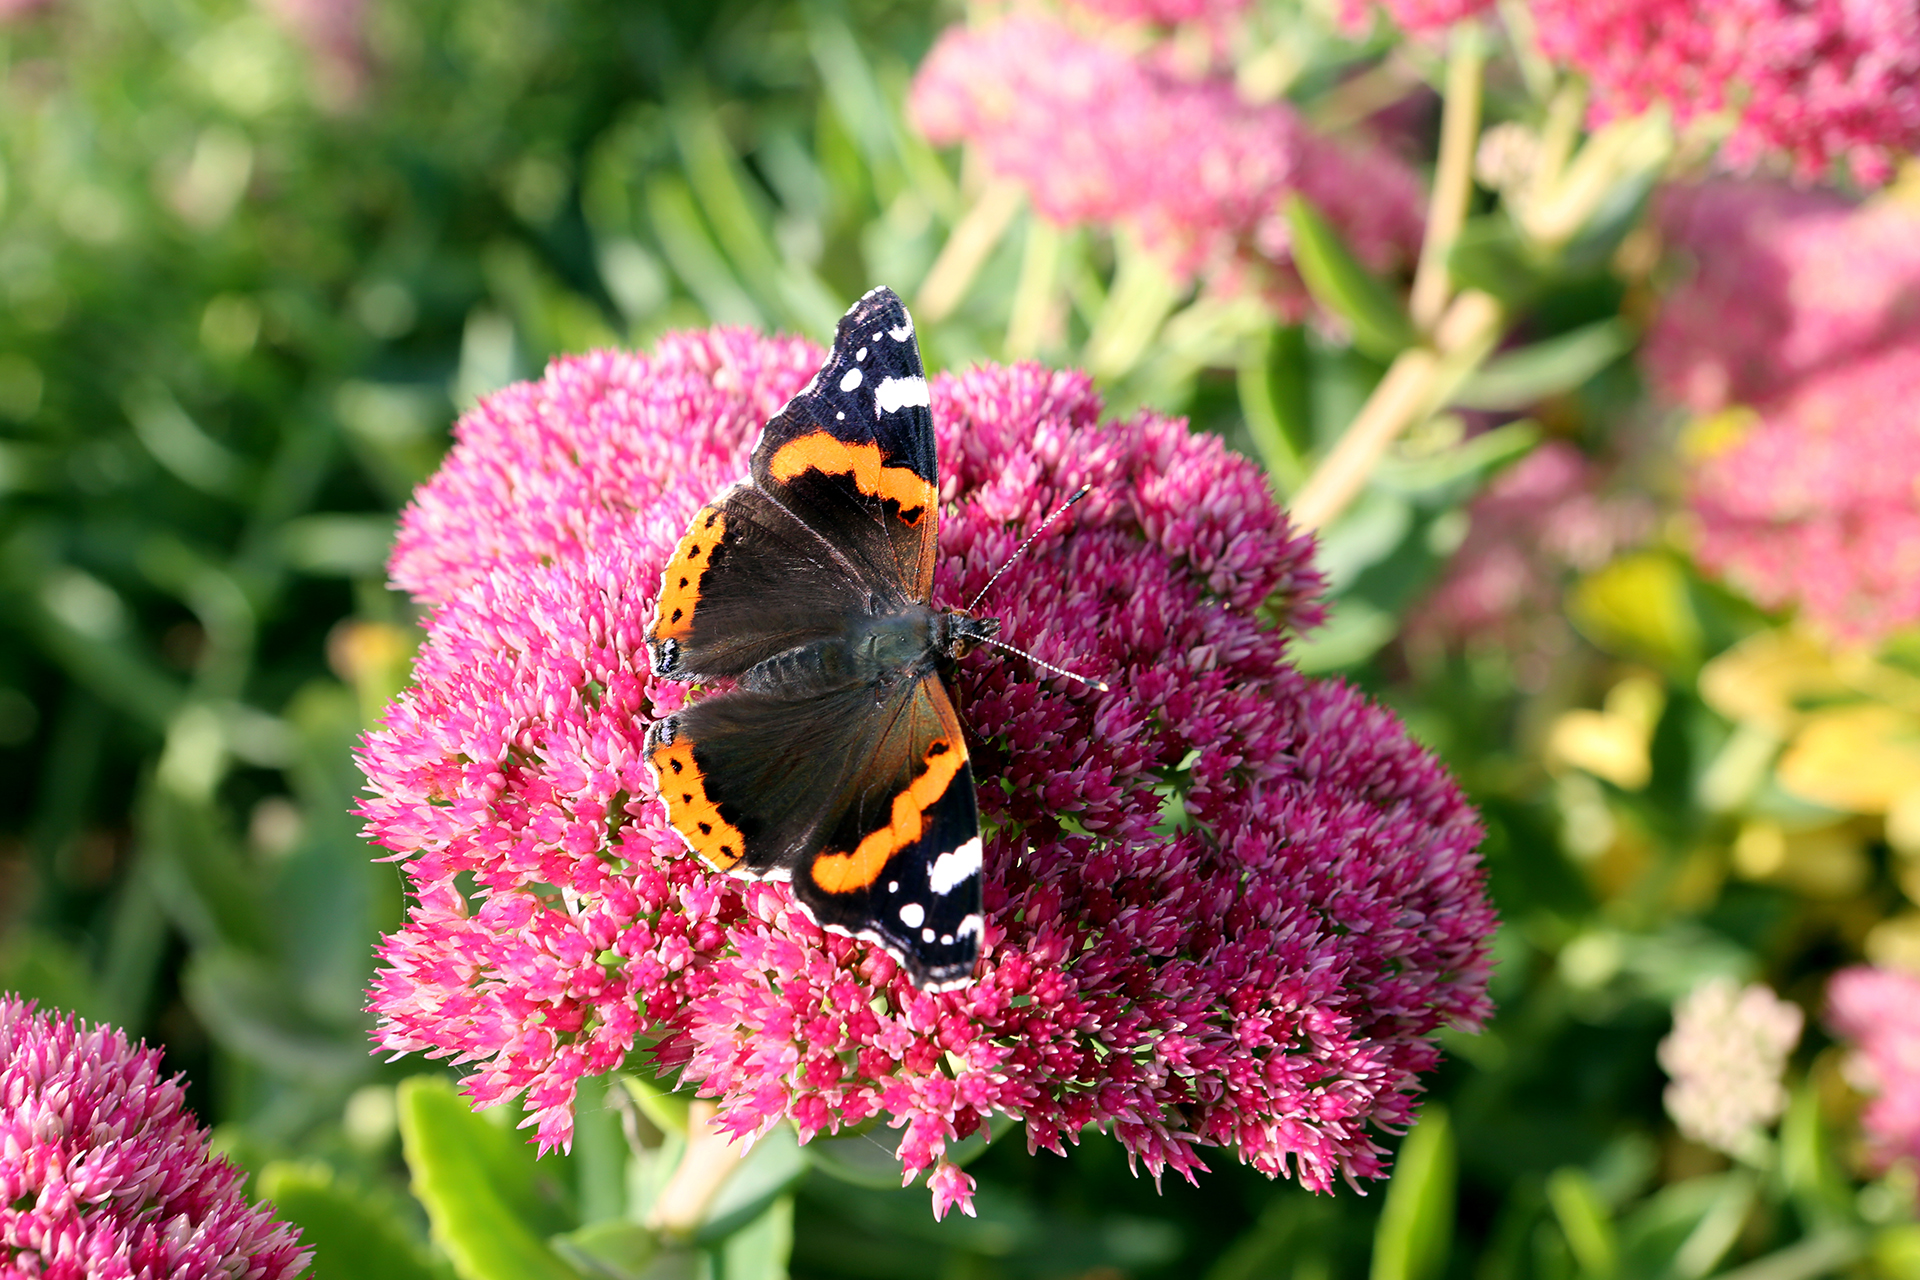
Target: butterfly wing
x,y
853,454
840,517
749,580
869,810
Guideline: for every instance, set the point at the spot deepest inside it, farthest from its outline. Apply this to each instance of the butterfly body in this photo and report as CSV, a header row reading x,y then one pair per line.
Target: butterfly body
x,y
837,761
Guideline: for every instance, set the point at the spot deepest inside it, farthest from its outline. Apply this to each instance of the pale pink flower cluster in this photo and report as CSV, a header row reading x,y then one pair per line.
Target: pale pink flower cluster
x,y
1226,906
1877,1011
105,1174
1097,134
1727,1057
1812,82
1806,309
1544,518
1779,284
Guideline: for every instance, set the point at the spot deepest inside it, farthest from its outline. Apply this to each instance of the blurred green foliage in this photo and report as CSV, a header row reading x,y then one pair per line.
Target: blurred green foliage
x,y
245,286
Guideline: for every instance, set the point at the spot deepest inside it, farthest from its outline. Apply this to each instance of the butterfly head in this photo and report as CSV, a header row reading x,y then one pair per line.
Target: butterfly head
x,y
958,633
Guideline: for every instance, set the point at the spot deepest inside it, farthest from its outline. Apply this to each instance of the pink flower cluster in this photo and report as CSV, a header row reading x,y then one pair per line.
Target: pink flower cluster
x,y
1226,906
1095,134
1807,309
1542,518
1815,82
1874,1010
104,1173
1817,504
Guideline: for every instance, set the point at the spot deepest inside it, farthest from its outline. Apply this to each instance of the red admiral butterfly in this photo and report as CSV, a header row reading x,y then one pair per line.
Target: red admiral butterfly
x,y
838,762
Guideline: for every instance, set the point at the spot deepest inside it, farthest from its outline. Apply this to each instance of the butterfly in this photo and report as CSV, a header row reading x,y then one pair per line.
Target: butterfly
x,y
837,762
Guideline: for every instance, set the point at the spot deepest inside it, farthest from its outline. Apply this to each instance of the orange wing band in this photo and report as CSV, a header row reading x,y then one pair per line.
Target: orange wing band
x,y
845,872
692,814
680,584
821,451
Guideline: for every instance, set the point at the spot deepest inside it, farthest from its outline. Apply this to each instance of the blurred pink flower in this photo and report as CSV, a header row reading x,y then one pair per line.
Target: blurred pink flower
x,y
1878,1012
1811,81
1780,284
13,9
1226,906
1095,134
105,1174
333,33
1817,504
1543,518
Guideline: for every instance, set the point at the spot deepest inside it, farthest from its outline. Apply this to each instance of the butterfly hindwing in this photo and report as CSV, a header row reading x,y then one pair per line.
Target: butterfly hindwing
x,y
869,810
853,454
902,866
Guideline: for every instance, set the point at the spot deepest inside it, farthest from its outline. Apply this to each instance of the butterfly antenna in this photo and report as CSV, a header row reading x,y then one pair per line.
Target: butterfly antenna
x,y
1021,550
1101,685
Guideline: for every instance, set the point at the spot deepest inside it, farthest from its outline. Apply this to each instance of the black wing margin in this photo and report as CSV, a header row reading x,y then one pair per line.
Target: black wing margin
x,y
853,454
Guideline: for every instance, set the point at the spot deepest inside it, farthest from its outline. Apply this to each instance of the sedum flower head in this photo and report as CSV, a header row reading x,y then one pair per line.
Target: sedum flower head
x,y
104,1173
1779,284
1809,82
1726,1057
1095,134
1816,504
1225,906
1874,1010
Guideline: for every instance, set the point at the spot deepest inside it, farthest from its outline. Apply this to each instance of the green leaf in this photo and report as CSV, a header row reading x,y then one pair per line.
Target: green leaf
x,y
665,1106
1584,1221
761,1248
869,1157
1340,284
1416,1223
1473,460
478,1184
766,1172
614,1249
1517,379
352,1235
1489,255
1273,399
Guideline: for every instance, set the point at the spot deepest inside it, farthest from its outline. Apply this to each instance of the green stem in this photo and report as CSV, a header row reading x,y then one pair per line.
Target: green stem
x,y
1452,176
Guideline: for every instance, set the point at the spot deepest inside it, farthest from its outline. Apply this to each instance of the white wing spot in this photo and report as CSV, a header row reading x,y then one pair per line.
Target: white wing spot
x,y
841,416
861,354
893,886
913,915
851,381
926,935
876,337
897,393
949,869
946,939
971,925
904,332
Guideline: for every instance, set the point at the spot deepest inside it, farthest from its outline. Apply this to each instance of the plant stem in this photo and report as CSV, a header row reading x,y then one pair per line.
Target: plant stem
x,y
710,1159
1452,176
1419,381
